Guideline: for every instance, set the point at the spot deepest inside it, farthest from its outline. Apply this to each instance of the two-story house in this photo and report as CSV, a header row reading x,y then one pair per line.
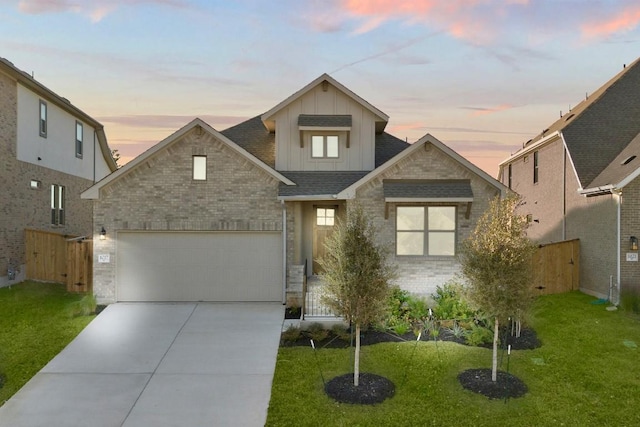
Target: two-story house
x,y
50,152
578,179
240,215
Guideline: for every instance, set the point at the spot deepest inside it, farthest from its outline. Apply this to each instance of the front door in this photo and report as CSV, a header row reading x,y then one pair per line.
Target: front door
x,y
323,224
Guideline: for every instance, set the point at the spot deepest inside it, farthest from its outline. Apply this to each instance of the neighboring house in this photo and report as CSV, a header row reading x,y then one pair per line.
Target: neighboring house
x,y
240,215
50,152
579,180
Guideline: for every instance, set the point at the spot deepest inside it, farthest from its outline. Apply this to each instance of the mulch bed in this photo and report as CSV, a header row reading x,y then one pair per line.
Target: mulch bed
x,y
371,389
528,339
479,381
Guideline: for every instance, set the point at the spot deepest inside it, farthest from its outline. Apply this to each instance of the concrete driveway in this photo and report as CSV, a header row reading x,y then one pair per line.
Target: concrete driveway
x,y
183,364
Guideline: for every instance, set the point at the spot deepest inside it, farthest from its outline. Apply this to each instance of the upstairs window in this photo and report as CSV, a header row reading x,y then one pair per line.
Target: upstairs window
x,y
535,167
57,205
429,230
324,146
199,168
510,176
79,137
43,119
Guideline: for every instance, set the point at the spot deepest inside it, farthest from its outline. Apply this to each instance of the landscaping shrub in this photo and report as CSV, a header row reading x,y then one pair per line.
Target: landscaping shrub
x,y
630,301
317,332
292,333
479,335
405,312
450,304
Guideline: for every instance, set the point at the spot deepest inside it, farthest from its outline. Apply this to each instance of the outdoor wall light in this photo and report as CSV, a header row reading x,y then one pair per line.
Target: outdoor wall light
x,y
634,243
103,234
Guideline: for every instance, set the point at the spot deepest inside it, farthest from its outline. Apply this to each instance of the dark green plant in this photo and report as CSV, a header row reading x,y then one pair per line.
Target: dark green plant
x,y
630,301
317,332
479,335
405,309
86,306
450,303
457,331
341,332
292,333
401,328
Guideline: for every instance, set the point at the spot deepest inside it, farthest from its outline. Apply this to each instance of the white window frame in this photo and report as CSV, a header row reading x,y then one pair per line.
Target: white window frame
x,y
325,146
199,168
79,139
42,119
426,232
57,204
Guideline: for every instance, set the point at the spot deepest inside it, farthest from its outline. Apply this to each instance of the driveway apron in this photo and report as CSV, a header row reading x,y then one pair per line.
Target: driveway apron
x,y
182,364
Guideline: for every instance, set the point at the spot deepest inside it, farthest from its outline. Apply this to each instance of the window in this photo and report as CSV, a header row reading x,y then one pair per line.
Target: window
x,y
199,168
35,184
79,140
325,216
43,119
424,230
509,176
57,204
324,146
535,167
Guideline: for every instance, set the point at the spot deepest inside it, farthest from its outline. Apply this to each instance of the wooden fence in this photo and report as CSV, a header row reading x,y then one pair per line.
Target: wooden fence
x,y
53,257
556,267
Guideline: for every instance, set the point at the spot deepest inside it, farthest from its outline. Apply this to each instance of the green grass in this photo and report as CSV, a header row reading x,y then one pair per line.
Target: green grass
x,y
586,373
35,325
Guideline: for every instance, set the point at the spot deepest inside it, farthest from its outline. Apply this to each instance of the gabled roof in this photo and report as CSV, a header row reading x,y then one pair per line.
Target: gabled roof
x,y
317,184
349,192
598,129
381,118
94,191
30,83
257,140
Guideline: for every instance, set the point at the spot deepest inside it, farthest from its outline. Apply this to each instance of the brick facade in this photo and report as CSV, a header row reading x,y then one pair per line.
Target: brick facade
x,y
24,207
160,194
422,275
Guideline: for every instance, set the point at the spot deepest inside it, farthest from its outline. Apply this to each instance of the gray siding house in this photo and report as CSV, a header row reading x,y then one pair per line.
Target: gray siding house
x,y
241,215
50,151
579,180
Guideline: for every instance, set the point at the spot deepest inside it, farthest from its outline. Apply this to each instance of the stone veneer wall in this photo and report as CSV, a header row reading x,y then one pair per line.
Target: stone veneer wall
x,y
421,275
23,207
160,194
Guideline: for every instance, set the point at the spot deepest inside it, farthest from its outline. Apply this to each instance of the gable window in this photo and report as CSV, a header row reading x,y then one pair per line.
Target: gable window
x,y
535,167
79,137
43,119
324,146
199,168
57,204
425,230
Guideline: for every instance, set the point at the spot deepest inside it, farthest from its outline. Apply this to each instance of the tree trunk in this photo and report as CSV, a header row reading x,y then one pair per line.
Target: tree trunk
x,y
494,367
356,361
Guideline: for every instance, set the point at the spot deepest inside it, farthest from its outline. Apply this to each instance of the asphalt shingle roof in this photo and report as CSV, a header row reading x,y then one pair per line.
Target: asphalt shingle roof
x,y
324,120
428,188
318,183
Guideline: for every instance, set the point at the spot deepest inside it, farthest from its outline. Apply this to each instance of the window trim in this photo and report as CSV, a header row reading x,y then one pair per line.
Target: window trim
x,y
58,205
193,168
426,231
79,142
43,122
325,146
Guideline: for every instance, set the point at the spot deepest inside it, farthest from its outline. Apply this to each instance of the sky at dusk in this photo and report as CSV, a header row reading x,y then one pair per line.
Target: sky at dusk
x,y
482,76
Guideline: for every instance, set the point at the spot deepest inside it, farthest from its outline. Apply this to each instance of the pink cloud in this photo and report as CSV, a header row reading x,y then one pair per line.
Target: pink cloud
x,y
624,20
473,20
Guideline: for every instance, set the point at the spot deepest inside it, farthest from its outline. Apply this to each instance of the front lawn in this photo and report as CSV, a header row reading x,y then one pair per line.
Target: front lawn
x,y
586,373
35,325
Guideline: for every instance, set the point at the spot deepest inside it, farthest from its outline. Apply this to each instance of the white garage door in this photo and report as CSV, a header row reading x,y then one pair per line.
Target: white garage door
x,y
199,266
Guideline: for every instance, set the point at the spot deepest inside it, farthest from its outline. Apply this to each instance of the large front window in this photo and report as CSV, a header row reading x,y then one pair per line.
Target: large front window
x,y
426,230
324,146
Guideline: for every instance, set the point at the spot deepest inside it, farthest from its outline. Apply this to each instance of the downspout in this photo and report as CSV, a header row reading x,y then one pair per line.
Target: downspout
x,y
618,194
284,252
564,192
94,156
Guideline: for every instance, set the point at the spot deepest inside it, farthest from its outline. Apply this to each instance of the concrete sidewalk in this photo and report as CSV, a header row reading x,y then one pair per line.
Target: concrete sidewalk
x,y
183,364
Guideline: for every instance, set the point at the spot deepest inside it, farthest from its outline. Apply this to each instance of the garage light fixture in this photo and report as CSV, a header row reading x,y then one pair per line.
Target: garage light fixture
x,y
103,234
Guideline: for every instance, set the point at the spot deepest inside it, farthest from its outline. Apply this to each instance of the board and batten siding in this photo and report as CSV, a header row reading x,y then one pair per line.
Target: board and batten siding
x,y
359,156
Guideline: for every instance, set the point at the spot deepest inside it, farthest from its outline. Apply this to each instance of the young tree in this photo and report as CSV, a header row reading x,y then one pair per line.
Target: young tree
x,y
496,261
356,275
